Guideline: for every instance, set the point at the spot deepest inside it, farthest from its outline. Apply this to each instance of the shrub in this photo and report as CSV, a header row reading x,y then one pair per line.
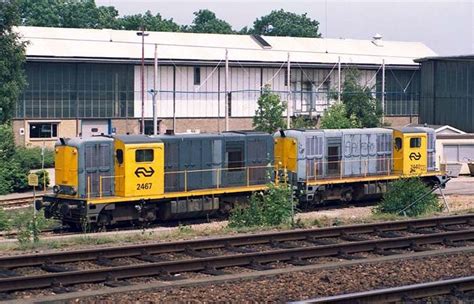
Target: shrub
x,y
30,158
13,177
270,208
303,122
269,114
43,176
4,222
335,117
7,142
29,227
402,193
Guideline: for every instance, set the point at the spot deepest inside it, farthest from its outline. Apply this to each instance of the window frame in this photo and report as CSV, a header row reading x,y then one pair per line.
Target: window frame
x,y
53,131
143,158
197,75
415,142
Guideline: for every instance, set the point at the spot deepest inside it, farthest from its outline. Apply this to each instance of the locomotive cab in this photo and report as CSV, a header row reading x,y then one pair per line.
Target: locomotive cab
x,y
410,151
139,167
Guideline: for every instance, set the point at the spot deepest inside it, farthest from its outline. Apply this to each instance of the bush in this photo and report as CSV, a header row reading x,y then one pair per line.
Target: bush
x,y
269,114
4,222
43,175
7,142
404,192
335,117
30,158
13,177
303,122
29,227
270,208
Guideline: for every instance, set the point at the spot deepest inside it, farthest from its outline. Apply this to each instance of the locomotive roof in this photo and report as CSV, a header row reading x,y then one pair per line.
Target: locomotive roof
x,y
130,139
411,129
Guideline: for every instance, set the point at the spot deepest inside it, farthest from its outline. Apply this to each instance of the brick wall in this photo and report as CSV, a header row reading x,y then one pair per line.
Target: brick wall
x,y
400,121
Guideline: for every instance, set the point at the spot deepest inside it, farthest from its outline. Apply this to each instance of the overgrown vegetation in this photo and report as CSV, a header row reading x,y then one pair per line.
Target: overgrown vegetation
x,y
303,122
410,197
335,117
31,157
27,226
16,163
358,107
269,114
272,207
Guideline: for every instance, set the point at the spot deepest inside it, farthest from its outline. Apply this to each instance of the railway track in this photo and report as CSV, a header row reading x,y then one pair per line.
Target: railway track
x,y
18,202
214,256
460,289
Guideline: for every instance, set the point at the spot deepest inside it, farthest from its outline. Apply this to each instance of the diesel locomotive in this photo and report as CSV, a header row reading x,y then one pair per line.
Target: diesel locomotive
x,y
104,180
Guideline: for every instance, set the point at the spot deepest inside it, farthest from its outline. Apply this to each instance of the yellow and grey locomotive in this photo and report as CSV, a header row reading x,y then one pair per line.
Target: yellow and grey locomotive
x,y
104,180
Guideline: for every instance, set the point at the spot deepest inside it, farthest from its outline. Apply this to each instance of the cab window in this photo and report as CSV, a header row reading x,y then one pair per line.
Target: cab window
x,y
398,143
144,155
415,142
119,156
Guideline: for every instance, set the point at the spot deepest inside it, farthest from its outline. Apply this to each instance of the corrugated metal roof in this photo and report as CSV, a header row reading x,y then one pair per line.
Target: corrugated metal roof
x,y
119,44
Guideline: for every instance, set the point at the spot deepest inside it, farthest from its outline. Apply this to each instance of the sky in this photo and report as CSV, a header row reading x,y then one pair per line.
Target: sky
x,y
447,27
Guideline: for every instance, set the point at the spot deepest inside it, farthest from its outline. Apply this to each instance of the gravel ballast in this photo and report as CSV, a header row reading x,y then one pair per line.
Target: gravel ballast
x,y
304,285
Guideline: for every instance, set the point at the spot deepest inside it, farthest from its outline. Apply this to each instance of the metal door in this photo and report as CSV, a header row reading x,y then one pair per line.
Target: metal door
x,y
98,168
94,127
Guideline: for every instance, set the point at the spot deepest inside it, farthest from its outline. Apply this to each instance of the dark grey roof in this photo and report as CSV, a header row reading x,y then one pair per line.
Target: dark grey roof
x,y
410,130
132,139
451,58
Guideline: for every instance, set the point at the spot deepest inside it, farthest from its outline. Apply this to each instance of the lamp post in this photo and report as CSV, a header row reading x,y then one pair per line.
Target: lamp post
x,y
142,70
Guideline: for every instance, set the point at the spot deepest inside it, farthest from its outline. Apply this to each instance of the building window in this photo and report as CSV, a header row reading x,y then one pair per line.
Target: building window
x,y
144,155
149,127
43,130
197,75
415,142
286,79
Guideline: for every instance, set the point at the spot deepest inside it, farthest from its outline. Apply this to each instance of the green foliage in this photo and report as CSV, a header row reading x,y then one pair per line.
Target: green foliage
x,y
7,142
206,21
12,57
31,158
149,21
404,192
336,117
4,221
286,24
362,108
67,13
29,227
269,114
13,177
270,208
43,176
303,122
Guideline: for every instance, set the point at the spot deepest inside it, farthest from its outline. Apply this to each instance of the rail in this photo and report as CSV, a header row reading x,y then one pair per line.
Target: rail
x,y
401,293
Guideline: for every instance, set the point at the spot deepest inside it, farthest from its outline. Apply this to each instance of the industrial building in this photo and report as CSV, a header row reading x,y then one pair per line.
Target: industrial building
x,y
447,91
89,81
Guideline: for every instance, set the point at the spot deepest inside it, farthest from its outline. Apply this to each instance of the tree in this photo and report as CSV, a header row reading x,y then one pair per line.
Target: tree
x,y
150,22
269,114
12,58
67,13
41,12
360,105
282,23
336,117
205,21
303,122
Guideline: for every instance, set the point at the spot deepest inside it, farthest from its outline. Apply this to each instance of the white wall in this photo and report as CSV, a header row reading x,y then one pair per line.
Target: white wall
x,y
245,84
